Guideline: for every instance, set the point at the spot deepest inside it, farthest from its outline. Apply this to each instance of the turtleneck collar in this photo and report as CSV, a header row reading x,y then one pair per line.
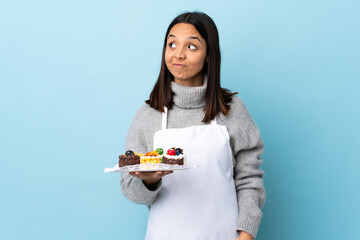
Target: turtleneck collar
x,y
189,97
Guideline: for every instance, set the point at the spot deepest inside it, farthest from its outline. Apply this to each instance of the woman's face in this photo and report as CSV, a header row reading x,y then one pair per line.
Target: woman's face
x,y
185,54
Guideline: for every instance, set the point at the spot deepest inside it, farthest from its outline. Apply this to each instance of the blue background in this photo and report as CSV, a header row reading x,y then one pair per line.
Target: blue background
x,y
73,73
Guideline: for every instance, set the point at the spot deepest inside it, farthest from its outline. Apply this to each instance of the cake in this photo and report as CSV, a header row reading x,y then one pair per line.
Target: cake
x,y
151,160
174,156
151,157
129,158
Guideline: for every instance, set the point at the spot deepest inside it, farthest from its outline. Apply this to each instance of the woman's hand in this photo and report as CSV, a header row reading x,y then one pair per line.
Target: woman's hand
x,y
150,178
245,236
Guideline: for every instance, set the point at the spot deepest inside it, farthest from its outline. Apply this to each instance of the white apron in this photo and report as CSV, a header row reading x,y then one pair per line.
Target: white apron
x,y
196,203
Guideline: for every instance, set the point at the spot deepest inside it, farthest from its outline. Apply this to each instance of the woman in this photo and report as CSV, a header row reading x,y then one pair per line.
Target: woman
x,y
222,198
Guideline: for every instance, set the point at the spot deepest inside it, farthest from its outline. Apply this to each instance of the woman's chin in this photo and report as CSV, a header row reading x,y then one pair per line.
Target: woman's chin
x,y
180,76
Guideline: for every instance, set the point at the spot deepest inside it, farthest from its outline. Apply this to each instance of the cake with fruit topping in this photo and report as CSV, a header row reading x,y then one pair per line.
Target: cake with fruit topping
x,y
129,158
174,156
151,160
151,157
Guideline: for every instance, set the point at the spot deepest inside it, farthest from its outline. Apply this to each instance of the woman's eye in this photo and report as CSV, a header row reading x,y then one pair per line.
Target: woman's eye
x,y
192,47
172,45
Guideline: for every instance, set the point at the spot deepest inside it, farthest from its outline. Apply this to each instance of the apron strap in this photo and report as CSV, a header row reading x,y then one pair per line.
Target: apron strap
x,y
213,121
164,118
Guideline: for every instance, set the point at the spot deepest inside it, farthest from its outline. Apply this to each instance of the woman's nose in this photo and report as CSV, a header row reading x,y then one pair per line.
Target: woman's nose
x,y
180,53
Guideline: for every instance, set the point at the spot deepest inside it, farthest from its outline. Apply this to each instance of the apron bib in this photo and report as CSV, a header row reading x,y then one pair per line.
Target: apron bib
x,y
196,203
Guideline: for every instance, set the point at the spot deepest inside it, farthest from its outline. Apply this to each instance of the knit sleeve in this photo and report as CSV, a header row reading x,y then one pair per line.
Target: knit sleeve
x,y
247,148
134,188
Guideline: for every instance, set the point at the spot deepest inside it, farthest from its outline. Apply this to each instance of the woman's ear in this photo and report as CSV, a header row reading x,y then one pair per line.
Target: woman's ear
x,y
207,59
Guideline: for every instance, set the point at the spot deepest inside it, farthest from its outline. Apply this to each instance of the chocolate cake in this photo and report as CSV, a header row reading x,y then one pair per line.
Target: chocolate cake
x,y
129,158
174,156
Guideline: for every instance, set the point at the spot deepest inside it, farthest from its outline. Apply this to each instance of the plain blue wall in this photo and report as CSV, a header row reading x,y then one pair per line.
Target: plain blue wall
x,y
73,73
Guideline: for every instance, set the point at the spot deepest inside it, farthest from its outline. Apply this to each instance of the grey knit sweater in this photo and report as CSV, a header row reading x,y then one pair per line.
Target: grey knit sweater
x,y
245,142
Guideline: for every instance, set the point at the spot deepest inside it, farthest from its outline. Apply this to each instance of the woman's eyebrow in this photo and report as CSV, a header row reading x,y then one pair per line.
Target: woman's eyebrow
x,y
191,37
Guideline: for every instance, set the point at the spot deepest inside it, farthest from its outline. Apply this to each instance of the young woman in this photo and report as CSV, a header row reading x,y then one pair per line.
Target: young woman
x,y
222,198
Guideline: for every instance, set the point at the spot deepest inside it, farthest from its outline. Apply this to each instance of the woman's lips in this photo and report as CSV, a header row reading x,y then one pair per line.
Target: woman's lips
x,y
176,65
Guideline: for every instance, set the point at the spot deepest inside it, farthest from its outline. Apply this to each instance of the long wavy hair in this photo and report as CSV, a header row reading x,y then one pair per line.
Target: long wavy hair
x,y
216,98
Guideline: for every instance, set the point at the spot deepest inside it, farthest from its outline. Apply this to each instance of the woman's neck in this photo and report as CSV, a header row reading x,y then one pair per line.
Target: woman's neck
x,y
189,96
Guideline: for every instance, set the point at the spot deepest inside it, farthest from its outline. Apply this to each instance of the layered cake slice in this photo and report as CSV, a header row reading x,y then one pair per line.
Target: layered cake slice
x,y
129,158
174,156
151,160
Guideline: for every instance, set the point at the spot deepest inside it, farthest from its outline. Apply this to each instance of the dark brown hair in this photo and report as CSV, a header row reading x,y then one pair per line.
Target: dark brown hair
x,y
216,98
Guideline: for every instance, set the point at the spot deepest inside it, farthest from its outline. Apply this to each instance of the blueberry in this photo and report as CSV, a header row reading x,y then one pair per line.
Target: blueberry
x,y
129,153
179,151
